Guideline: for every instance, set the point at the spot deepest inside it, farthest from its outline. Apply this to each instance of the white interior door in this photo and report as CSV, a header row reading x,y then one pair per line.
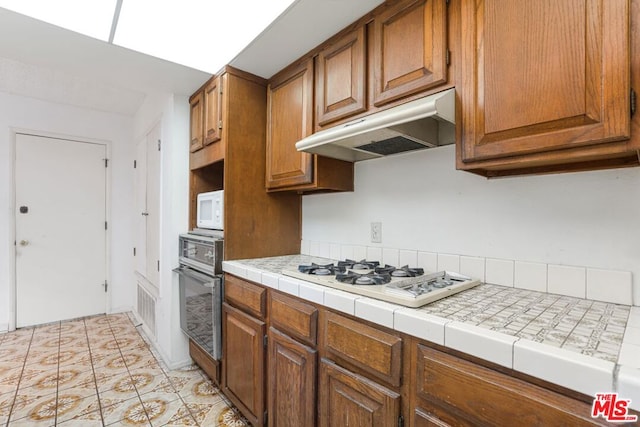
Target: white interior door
x,y
141,207
152,251
60,229
148,206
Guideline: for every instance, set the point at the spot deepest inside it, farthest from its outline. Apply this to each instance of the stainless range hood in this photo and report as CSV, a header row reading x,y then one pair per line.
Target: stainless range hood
x,y
423,123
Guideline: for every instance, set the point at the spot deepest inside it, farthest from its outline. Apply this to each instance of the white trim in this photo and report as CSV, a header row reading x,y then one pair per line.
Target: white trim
x,y
107,216
125,309
13,132
158,352
12,230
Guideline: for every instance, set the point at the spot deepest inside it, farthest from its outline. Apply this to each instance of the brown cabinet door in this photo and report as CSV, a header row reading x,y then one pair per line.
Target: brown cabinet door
x,y
212,111
450,390
292,382
197,111
243,363
425,419
542,75
289,119
341,78
409,49
348,399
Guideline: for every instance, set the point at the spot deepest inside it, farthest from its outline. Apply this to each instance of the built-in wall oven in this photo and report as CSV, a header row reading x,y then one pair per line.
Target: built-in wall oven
x,y
201,290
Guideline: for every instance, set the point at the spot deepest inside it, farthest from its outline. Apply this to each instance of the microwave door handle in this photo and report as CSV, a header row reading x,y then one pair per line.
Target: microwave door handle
x,y
208,281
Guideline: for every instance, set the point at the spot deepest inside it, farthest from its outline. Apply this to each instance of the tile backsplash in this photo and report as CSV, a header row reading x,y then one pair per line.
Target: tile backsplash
x,y
577,281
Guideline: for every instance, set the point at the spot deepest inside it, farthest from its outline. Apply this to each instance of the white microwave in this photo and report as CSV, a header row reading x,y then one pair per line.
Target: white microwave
x,y
210,212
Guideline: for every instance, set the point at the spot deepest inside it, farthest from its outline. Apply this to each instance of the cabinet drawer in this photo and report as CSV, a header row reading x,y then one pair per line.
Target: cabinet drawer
x,y
245,295
294,317
447,388
375,352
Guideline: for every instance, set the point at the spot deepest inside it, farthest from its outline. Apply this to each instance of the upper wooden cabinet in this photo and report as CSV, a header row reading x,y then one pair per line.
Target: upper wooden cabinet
x,y
236,163
409,49
340,87
289,119
197,115
207,141
206,114
543,84
213,111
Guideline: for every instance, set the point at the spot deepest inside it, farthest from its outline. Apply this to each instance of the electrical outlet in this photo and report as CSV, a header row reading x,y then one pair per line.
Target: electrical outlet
x,y
376,232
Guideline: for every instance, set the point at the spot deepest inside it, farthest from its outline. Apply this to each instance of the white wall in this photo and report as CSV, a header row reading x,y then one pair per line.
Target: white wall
x,y
31,114
584,219
173,112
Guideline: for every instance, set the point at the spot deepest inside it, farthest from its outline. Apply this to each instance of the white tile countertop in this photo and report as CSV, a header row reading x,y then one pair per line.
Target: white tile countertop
x,y
583,345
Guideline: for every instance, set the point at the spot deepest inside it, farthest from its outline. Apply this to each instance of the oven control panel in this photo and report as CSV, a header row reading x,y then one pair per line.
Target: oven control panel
x,y
202,252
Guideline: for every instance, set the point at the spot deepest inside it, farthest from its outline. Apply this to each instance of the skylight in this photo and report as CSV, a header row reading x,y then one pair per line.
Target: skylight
x,y
92,18
201,34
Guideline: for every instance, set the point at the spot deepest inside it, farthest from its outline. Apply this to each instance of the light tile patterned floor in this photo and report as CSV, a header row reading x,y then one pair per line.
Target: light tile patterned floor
x,y
100,371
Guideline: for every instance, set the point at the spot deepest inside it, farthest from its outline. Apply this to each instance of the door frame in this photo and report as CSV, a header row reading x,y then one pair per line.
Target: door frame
x,y
13,133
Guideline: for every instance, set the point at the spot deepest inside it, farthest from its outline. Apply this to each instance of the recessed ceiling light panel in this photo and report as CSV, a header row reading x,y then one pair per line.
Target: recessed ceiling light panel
x,y
202,34
92,18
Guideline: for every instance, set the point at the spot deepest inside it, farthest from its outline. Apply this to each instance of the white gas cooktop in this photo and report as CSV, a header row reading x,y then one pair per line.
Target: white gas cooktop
x,y
407,291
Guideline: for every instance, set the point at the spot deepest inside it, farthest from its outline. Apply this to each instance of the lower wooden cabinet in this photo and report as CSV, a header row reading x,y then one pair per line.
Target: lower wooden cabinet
x,y
425,419
453,391
348,399
243,373
208,364
362,348
292,382
328,369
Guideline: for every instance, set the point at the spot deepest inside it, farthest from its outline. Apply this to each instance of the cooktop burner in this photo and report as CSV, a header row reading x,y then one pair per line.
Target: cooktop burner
x,y
405,285
372,278
358,265
404,271
319,270
429,283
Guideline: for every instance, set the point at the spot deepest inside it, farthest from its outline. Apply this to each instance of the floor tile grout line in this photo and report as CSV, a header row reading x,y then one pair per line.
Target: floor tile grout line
x,y
146,414
24,363
93,370
146,351
166,376
55,420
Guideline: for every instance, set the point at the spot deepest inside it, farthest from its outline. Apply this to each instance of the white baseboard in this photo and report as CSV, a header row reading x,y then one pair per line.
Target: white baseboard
x,y
4,328
121,310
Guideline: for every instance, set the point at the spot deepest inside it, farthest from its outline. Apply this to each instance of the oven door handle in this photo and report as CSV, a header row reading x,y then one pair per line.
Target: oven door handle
x,y
208,281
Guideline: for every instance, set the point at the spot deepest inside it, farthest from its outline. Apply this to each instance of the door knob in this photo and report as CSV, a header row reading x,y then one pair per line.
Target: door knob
x,y
24,242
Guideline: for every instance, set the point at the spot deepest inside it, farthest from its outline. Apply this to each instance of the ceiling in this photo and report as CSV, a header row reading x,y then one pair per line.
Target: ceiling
x,y
44,61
